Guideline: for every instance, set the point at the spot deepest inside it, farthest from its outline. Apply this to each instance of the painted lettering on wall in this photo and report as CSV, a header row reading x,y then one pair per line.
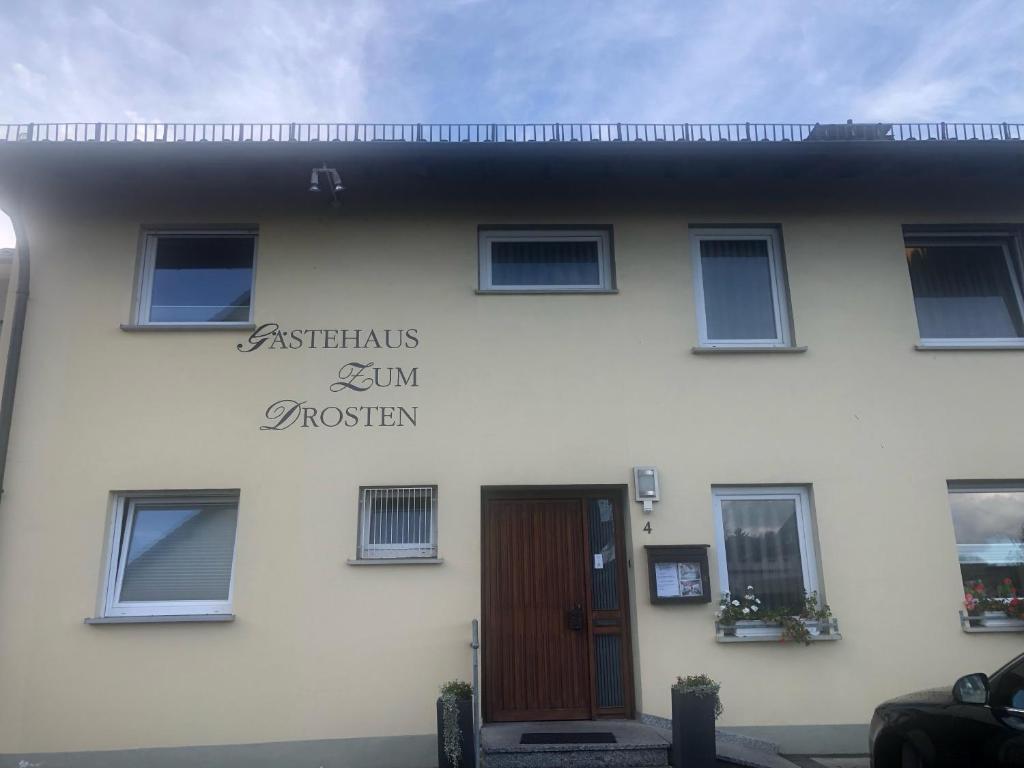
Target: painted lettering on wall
x,y
360,377
353,377
271,336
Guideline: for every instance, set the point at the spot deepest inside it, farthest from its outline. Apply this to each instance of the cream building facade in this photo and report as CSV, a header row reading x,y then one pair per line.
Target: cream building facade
x,y
215,535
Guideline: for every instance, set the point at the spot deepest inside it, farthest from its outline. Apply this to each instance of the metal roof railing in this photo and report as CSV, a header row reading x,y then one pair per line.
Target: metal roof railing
x,y
508,133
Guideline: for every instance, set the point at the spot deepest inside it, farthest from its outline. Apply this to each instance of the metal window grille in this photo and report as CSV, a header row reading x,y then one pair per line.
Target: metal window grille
x,y
507,132
398,522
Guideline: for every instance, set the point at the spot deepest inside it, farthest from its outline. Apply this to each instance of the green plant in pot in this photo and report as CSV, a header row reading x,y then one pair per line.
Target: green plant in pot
x,y
695,707
455,737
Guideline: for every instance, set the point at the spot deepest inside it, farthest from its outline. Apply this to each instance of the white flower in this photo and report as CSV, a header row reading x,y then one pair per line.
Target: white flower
x,y
750,588
735,602
748,597
754,608
746,610
758,601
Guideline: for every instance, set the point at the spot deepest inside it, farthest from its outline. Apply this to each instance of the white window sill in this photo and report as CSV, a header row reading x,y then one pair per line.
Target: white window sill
x,y
133,327
776,639
543,291
760,632
397,561
199,618
953,347
985,625
709,350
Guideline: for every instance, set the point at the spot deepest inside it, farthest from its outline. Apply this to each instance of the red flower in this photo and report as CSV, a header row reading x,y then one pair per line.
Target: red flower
x,y
1007,580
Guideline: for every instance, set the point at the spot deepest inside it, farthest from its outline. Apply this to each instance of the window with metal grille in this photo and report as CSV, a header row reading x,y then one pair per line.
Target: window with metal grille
x,y
398,522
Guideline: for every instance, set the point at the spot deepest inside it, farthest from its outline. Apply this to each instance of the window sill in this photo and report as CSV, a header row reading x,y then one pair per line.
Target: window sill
x,y
969,347
762,632
133,327
199,618
774,639
745,350
397,561
544,292
988,625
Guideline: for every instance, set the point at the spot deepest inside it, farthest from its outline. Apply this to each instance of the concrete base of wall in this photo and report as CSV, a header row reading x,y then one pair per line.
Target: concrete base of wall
x,y
397,751
393,751
840,739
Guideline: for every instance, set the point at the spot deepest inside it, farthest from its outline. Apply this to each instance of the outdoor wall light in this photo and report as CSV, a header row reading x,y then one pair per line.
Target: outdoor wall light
x,y
646,486
332,177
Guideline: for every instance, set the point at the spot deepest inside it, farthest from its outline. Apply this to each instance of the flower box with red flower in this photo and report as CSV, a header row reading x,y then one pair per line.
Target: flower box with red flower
x,y
1003,611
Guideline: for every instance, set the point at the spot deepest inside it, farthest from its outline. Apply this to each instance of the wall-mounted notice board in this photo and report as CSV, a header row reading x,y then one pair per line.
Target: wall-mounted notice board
x,y
678,573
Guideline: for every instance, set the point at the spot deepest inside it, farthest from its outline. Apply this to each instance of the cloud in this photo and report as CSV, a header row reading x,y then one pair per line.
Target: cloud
x,y
261,61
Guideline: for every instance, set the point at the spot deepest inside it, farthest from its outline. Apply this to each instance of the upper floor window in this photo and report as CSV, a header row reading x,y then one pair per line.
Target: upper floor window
x,y
398,522
766,542
571,260
740,287
195,278
967,290
171,554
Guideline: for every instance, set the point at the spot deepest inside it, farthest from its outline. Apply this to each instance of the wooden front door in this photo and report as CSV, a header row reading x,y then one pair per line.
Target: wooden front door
x,y
555,620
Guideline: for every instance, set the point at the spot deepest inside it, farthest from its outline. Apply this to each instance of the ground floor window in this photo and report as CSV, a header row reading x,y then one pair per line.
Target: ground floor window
x,y
171,554
397,522
766,541
988,521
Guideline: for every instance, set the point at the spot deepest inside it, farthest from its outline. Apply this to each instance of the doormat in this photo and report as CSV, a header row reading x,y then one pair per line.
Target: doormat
x,y
579,737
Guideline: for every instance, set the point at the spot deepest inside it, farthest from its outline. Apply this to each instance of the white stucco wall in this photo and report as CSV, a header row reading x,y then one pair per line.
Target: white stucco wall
x,y
513,390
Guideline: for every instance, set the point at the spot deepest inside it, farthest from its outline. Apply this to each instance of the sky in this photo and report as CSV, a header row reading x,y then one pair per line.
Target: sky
x,y
501,61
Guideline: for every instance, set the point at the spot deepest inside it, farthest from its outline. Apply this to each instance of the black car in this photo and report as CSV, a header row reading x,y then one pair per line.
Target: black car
x,y
977,723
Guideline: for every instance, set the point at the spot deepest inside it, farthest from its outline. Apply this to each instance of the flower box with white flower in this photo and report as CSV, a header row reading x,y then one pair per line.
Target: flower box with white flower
x,y
739,620
754,628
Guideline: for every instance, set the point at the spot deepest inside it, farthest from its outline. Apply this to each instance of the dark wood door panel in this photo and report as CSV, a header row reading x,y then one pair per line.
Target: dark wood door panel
x,y
611,668
536,666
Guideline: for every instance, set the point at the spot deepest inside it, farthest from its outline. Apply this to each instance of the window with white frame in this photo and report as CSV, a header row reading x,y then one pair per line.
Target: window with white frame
x,y
740,288
572,260
967,289
766,541
171,554
988,522
197,278
397,522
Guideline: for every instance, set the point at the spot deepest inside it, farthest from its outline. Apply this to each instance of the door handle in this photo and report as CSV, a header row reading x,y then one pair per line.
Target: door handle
x,y
574,618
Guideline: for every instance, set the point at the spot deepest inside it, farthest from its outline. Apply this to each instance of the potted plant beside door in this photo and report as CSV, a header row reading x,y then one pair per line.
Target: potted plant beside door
x,y
695,707
456,740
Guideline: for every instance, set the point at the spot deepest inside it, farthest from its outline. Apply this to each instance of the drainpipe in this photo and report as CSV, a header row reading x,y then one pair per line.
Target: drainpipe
x,y
14,347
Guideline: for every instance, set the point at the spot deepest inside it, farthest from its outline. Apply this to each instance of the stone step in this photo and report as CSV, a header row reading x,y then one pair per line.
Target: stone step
x,y
636,746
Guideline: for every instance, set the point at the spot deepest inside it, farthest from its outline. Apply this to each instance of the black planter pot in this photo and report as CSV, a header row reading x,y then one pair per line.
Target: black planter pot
x,y
693,730
465,728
